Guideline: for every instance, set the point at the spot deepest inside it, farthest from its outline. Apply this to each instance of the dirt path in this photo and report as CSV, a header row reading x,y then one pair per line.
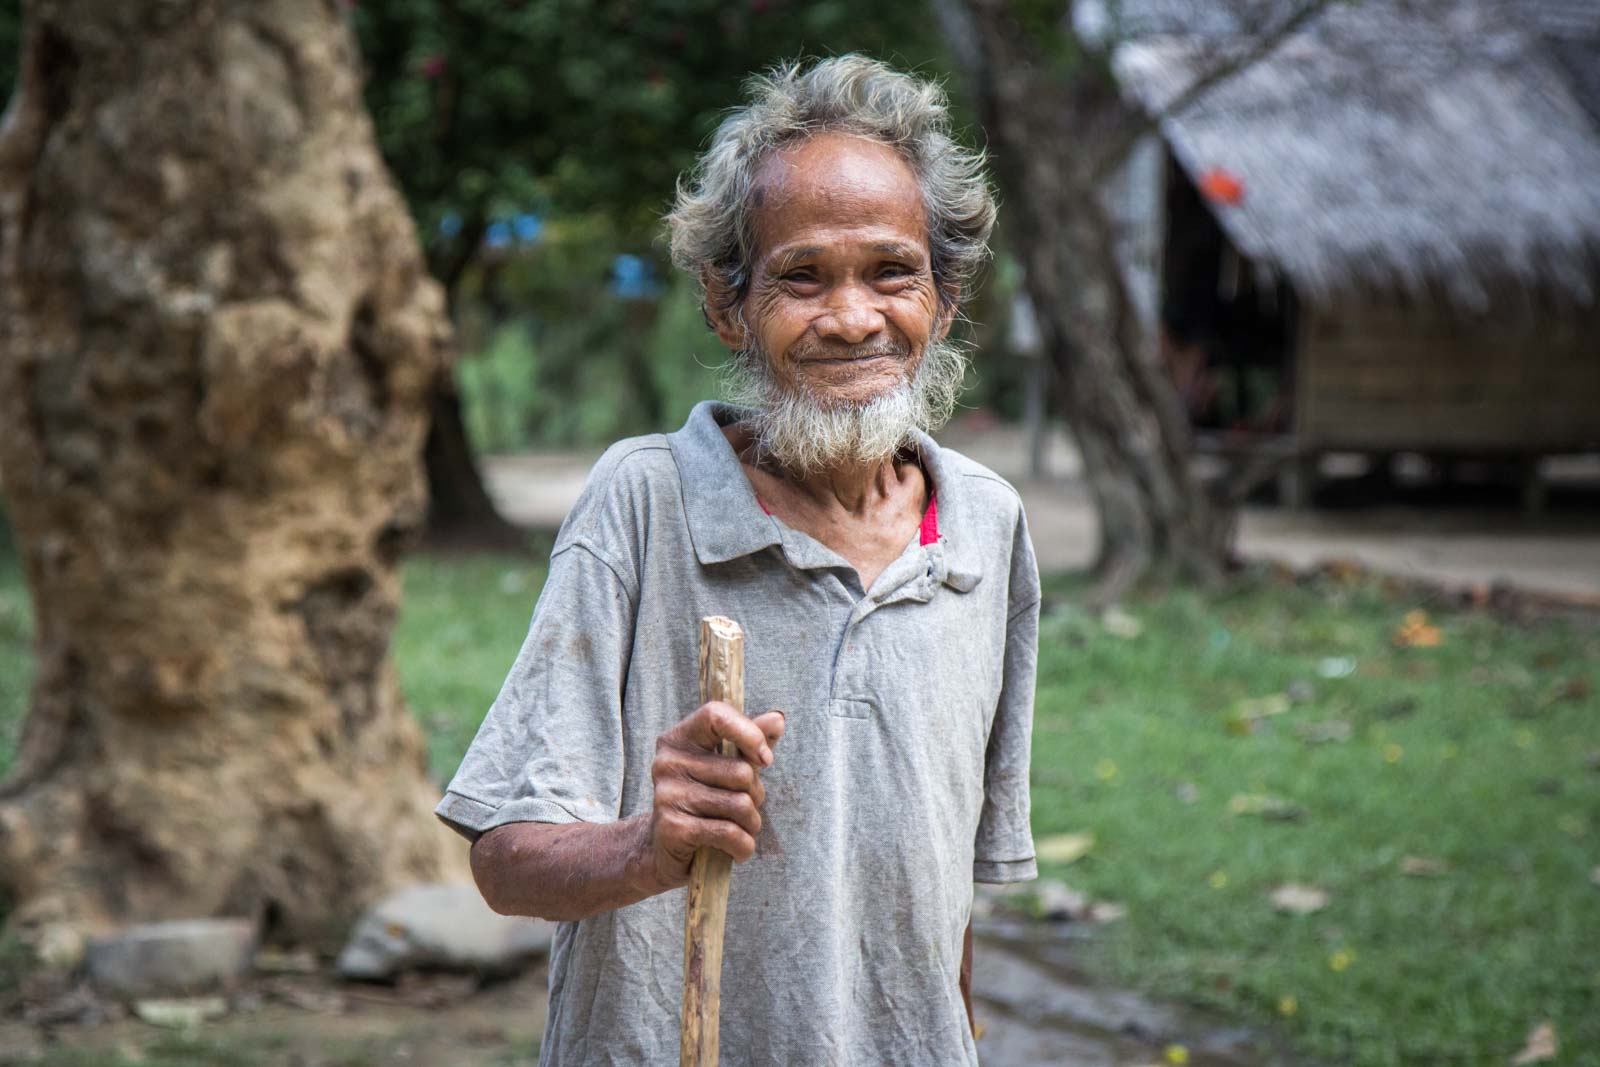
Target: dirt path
x,y
1458,545
1035,1008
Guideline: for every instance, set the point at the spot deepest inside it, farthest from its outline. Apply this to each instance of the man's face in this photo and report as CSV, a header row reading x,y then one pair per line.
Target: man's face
x,y
841,301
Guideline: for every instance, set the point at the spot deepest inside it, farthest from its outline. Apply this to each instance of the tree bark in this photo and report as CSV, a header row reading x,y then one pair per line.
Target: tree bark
x,y
216,342
1049,118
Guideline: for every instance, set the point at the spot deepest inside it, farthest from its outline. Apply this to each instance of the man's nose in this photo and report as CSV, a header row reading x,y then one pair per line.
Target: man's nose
x,y
852,318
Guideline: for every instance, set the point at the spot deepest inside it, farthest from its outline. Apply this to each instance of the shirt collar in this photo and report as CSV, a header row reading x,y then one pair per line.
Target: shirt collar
x,y
726,521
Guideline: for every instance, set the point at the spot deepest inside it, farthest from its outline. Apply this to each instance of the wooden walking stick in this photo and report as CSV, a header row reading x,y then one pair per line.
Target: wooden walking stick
x,y
721,678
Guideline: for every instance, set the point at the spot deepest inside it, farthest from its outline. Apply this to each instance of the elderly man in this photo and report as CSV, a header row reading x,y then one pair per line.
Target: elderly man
x,y
888,593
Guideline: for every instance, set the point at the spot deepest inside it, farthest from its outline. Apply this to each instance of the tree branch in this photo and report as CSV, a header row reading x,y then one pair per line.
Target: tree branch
x,y
1260,47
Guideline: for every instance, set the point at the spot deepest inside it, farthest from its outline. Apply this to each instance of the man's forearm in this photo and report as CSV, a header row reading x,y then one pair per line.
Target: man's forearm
x,y
565,871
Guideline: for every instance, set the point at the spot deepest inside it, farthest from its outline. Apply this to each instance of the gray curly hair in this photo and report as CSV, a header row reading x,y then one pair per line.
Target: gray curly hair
x,y
710,222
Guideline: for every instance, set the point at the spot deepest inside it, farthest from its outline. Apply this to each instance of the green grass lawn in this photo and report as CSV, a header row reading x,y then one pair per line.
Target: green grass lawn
x,y
1478,754
1275,733
461,624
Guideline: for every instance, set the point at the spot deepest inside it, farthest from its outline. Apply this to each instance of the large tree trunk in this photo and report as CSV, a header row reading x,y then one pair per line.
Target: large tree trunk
x,y
216,341
1051,111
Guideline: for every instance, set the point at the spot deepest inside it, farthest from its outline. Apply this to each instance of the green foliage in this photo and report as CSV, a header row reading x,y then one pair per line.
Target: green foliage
x,y
591,379
578,362
485,107
585,115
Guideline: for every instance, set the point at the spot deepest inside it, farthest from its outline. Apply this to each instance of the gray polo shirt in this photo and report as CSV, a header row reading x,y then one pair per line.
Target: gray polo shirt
x,y
902,775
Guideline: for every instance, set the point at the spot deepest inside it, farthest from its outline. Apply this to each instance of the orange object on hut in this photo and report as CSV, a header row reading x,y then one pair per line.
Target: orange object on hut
x,y
1222,186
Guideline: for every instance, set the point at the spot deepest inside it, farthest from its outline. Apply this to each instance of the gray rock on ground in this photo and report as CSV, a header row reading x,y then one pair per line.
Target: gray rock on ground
x,y
176,958
440,926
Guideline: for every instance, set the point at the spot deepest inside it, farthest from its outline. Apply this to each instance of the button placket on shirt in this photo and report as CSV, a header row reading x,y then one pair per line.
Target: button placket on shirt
x,y
848,691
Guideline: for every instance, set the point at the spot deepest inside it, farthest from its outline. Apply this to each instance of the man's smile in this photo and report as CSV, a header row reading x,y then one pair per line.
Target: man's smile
x,y
848,359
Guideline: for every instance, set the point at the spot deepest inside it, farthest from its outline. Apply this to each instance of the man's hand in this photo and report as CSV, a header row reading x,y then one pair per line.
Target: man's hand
x,y
703,798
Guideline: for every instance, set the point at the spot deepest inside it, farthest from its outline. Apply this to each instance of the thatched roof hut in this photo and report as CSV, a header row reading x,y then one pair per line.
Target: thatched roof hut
x,y
1412,186
1385,149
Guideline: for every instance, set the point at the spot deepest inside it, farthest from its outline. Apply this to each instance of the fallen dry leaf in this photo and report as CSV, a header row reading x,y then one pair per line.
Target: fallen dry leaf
x,y
1261,707
1298,899
1103,911
1415,631
1575,688
1063,848
1248,714
1318,733
1265,805
1540,1048
1119,623
1422,866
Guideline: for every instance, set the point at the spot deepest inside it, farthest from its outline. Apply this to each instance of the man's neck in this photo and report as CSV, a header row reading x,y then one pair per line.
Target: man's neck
x,y
857,490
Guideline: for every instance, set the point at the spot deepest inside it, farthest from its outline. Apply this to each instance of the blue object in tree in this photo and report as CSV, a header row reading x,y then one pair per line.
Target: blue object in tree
x,y
527,227
633,277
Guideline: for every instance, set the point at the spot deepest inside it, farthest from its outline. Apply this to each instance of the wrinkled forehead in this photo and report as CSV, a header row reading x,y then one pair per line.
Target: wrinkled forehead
x,y
832,186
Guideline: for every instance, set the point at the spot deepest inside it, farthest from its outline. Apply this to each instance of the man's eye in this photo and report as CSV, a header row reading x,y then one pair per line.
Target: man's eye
x,y
895,270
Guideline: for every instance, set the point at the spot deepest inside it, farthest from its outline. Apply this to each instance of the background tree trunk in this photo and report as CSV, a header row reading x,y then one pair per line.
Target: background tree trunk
x,y
461,513
1051,111
216,342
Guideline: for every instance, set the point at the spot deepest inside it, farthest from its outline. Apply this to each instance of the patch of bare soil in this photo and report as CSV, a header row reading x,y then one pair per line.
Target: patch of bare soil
x,y
300,1020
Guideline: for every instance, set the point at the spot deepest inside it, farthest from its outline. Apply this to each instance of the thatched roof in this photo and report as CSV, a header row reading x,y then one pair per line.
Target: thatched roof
x,y
1388,147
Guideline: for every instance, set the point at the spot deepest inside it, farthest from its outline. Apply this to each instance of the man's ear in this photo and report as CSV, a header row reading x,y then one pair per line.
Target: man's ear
x,y
720,314
945,319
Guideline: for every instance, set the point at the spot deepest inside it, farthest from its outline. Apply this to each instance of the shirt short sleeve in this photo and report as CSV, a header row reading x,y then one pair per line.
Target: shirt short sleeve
x,y
1004,845
551,747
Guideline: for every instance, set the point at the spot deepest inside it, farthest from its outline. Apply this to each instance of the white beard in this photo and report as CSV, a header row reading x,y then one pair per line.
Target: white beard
x,y
803,435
